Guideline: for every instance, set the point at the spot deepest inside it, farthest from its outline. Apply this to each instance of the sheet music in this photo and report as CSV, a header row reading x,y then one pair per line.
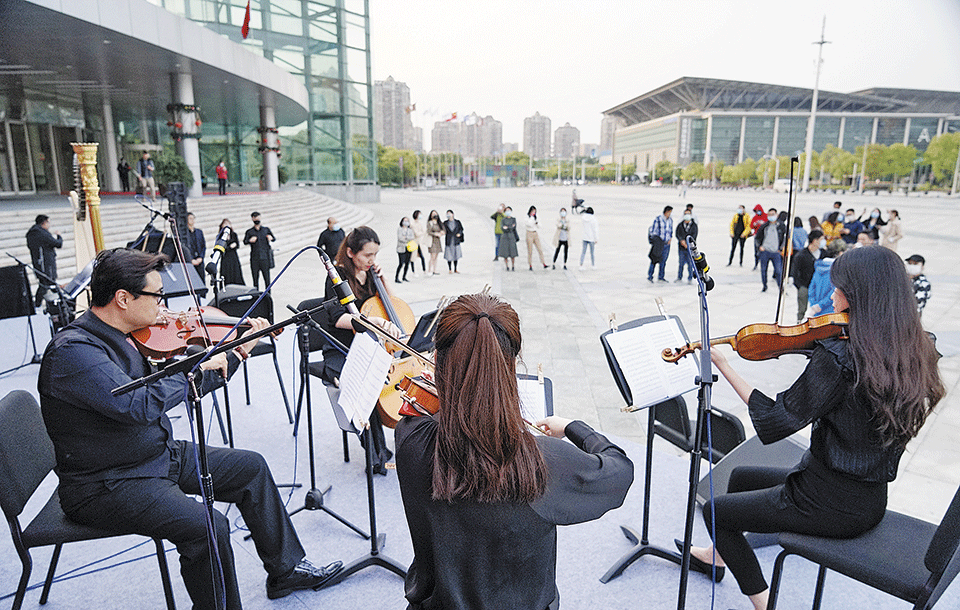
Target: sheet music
x,y
533,400
650,378
362,378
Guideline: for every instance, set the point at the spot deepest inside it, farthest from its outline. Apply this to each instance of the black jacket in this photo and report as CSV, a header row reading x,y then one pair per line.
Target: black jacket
x,y
781,234
42,243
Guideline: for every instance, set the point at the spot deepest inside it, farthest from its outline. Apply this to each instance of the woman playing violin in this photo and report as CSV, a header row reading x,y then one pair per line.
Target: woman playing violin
x,y
356,262
482,495
866,398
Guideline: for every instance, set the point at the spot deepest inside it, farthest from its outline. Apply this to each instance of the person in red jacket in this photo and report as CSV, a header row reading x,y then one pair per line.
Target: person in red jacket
x,y
759,219
222,177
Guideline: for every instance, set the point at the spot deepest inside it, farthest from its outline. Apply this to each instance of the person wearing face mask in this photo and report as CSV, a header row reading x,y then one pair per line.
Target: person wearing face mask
x,y
802,269
739,232
418,231
821,288
687,229
921,285
331,238
508,240
873,224
497,218
435,232
758,220
851,227
533,237
230,263
771,237
452,252
405,235
561,238
832,228
892,232
258,237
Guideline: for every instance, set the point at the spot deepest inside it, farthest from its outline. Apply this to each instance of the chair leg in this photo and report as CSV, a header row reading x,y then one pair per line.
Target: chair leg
x,y
165,575
50,572
775,581
283,390
25,575
821,579
346,447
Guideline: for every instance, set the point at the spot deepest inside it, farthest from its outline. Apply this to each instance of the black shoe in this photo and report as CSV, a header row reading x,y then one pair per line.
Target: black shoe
x,y
663,280
700,566
304,576
764,289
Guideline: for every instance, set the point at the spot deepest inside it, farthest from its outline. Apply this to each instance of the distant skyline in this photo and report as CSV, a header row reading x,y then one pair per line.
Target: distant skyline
x,y
571,60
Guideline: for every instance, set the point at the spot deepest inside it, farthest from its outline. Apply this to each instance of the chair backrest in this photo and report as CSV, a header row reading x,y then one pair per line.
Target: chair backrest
x,y
26,452
672,422
317,340
726,431
943,554
235,300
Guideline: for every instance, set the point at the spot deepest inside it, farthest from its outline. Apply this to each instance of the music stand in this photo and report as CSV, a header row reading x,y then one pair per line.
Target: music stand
x,y
377,540
641,542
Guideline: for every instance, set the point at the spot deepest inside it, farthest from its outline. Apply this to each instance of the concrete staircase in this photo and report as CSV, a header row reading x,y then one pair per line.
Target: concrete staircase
x,y
296,216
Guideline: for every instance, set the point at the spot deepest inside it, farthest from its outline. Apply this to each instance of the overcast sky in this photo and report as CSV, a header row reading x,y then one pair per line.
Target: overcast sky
x,y
572,59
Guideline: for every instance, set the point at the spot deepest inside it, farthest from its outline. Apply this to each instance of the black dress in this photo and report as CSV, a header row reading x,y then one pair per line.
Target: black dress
x,y
230,263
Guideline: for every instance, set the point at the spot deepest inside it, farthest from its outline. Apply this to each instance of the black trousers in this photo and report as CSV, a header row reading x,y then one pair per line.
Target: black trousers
x,y
160,507
812,500
405,264
222,186
262,267
566,246
733,248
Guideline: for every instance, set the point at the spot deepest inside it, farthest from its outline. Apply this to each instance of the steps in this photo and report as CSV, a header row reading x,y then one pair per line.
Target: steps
x,y
296,216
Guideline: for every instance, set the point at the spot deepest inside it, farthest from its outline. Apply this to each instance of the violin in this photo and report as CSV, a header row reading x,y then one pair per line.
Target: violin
x,y
174,332
765,341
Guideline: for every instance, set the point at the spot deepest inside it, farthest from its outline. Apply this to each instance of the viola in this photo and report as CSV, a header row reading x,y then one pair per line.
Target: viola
x,y
765,341
174,332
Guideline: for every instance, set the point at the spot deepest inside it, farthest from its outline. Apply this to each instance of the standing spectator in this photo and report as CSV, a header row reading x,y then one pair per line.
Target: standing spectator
x,y
497,229
418,232
893,232
331,238
803,265
851,227
196,245
144,172
820,293
591,232
921,285
533,237
759,219
832,227
835,208
739,232
123,168
771,239
689,210
452,252
43,255
258,237
662,230
799,241
873,224
222,178
434,232
561,238
405,235
577,203
687,229
230,263
509,239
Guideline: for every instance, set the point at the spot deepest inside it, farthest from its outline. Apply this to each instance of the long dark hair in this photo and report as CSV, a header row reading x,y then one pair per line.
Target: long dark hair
x,y
483,452
355,240
894,359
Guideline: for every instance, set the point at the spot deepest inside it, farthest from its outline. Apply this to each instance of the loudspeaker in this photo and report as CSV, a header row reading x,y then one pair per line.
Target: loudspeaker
x,y
234,300
175,285
15,284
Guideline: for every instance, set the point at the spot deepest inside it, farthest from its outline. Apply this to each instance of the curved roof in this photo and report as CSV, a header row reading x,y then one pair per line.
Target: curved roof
x,y
127,49
690,94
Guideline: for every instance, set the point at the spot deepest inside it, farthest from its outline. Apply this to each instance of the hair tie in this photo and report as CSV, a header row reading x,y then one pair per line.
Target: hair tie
x,y
481,315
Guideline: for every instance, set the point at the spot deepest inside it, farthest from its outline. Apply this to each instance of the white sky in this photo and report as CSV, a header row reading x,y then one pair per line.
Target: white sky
x,y
572,59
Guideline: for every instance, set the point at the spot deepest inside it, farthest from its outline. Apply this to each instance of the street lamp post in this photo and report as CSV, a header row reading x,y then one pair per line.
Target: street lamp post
x,y
863,166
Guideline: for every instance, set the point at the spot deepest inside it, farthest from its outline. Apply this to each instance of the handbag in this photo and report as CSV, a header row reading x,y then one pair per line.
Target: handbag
x,y
412,245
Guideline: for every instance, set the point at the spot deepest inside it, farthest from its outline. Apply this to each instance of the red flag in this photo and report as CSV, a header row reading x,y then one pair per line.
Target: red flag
x,y
245,29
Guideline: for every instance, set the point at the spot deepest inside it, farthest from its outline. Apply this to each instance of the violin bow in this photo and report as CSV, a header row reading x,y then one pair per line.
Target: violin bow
x,y
788,244
387,337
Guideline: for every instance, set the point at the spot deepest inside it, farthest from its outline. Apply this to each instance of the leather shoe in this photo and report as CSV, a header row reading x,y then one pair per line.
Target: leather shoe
x,y
700,566
304,576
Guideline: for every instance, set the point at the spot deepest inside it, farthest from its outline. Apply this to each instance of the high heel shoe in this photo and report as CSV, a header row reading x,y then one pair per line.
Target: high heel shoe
x,y
701,566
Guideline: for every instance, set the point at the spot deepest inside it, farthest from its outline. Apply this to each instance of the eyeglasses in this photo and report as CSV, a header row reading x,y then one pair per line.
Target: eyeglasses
x,y
159,295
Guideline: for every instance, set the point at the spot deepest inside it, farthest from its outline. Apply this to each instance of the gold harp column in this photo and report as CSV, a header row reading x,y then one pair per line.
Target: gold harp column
x,y
87,158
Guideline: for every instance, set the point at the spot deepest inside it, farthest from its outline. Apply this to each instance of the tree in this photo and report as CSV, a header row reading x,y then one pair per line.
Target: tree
x,y
746,171
898,160
941,156
170,167
663,170
729,175
692,172
517,157
875,165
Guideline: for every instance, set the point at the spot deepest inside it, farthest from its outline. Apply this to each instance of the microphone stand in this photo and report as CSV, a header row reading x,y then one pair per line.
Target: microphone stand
x,y
705,380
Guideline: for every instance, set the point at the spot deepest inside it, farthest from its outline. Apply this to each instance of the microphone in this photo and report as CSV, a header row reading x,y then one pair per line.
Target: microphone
x,y
341,288
166,215
218,249
700,262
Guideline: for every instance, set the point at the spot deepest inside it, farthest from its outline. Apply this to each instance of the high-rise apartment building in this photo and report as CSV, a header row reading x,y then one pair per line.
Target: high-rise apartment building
x,y
536,136
392,125
566,141
474,137
445,137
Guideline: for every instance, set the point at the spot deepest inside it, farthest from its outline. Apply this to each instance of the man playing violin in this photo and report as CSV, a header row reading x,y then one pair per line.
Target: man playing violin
x,y
119,466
